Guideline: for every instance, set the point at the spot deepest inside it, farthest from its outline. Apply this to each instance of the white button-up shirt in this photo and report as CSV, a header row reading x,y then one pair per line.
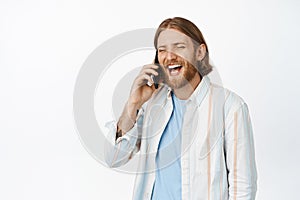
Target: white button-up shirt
x,y
217,159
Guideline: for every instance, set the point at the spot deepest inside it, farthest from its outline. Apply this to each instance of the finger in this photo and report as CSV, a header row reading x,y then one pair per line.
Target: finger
x,y
143,79
147,79
150,66
149,72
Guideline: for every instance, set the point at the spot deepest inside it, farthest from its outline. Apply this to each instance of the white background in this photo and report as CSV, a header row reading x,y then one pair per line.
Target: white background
x,y
253,44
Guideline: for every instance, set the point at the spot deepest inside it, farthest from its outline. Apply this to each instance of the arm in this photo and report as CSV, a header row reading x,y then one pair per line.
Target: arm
x,y
124,137
122,145
240,158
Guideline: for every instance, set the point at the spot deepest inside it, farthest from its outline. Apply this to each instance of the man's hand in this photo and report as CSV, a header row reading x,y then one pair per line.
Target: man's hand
x,y
140,93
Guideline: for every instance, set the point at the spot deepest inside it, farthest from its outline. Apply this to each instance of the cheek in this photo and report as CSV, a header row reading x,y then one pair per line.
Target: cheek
x,y
160,59
189,60
185,62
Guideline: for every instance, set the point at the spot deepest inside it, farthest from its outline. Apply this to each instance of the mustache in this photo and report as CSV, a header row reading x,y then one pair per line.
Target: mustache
x,y
182,63
174,62
177,61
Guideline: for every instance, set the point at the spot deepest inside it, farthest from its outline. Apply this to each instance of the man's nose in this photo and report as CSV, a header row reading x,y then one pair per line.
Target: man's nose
x,y
170,55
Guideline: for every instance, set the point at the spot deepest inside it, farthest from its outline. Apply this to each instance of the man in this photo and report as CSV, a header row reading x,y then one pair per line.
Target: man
x,y
194,137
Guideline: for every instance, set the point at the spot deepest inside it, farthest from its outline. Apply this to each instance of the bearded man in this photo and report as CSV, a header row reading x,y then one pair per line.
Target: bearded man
x,y
196,136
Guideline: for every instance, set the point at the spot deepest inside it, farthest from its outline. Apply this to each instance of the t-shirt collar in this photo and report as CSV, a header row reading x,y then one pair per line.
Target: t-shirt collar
x,y
199,93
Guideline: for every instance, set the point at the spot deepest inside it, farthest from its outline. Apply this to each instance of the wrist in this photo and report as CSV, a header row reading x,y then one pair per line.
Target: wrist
x,y
134,103
132,110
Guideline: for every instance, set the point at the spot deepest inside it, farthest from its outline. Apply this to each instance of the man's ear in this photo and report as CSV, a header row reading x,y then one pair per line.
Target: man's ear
x,y
200,52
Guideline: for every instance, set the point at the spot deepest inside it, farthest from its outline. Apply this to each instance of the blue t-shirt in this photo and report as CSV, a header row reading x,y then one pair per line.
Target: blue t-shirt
x,y
168,174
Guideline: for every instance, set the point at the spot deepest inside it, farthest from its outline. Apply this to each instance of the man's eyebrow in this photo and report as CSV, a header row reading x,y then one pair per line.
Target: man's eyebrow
x,y
162,46
177,43
174,44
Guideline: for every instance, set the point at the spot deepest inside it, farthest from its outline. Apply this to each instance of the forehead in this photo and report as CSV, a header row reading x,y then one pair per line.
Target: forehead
x,y
171,37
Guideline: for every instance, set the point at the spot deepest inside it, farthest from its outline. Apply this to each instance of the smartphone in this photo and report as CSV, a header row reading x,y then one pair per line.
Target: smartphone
x,y
160,72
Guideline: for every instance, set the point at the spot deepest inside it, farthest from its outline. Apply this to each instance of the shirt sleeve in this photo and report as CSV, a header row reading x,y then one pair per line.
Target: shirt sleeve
x,y
119,152
240,158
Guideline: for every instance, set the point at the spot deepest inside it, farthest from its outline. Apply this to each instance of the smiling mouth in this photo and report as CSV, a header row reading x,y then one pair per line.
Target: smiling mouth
x,y
174,70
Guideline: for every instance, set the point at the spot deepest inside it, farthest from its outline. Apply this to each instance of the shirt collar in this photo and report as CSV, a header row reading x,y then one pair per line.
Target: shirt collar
x,y
199,93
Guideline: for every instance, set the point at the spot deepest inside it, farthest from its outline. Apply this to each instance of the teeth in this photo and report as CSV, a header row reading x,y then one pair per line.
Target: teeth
x,y
173,66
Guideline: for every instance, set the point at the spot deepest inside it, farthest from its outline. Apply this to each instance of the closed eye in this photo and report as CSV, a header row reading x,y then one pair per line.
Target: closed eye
x,y
180,47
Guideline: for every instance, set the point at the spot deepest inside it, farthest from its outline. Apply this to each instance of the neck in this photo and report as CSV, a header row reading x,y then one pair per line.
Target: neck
x,y
187,90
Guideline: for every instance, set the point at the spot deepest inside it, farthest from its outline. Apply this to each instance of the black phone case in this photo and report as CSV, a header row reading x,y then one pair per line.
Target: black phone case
x,y
159,71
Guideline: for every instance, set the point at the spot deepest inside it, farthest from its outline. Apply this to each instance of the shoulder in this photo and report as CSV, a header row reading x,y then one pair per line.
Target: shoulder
x,y
230,100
